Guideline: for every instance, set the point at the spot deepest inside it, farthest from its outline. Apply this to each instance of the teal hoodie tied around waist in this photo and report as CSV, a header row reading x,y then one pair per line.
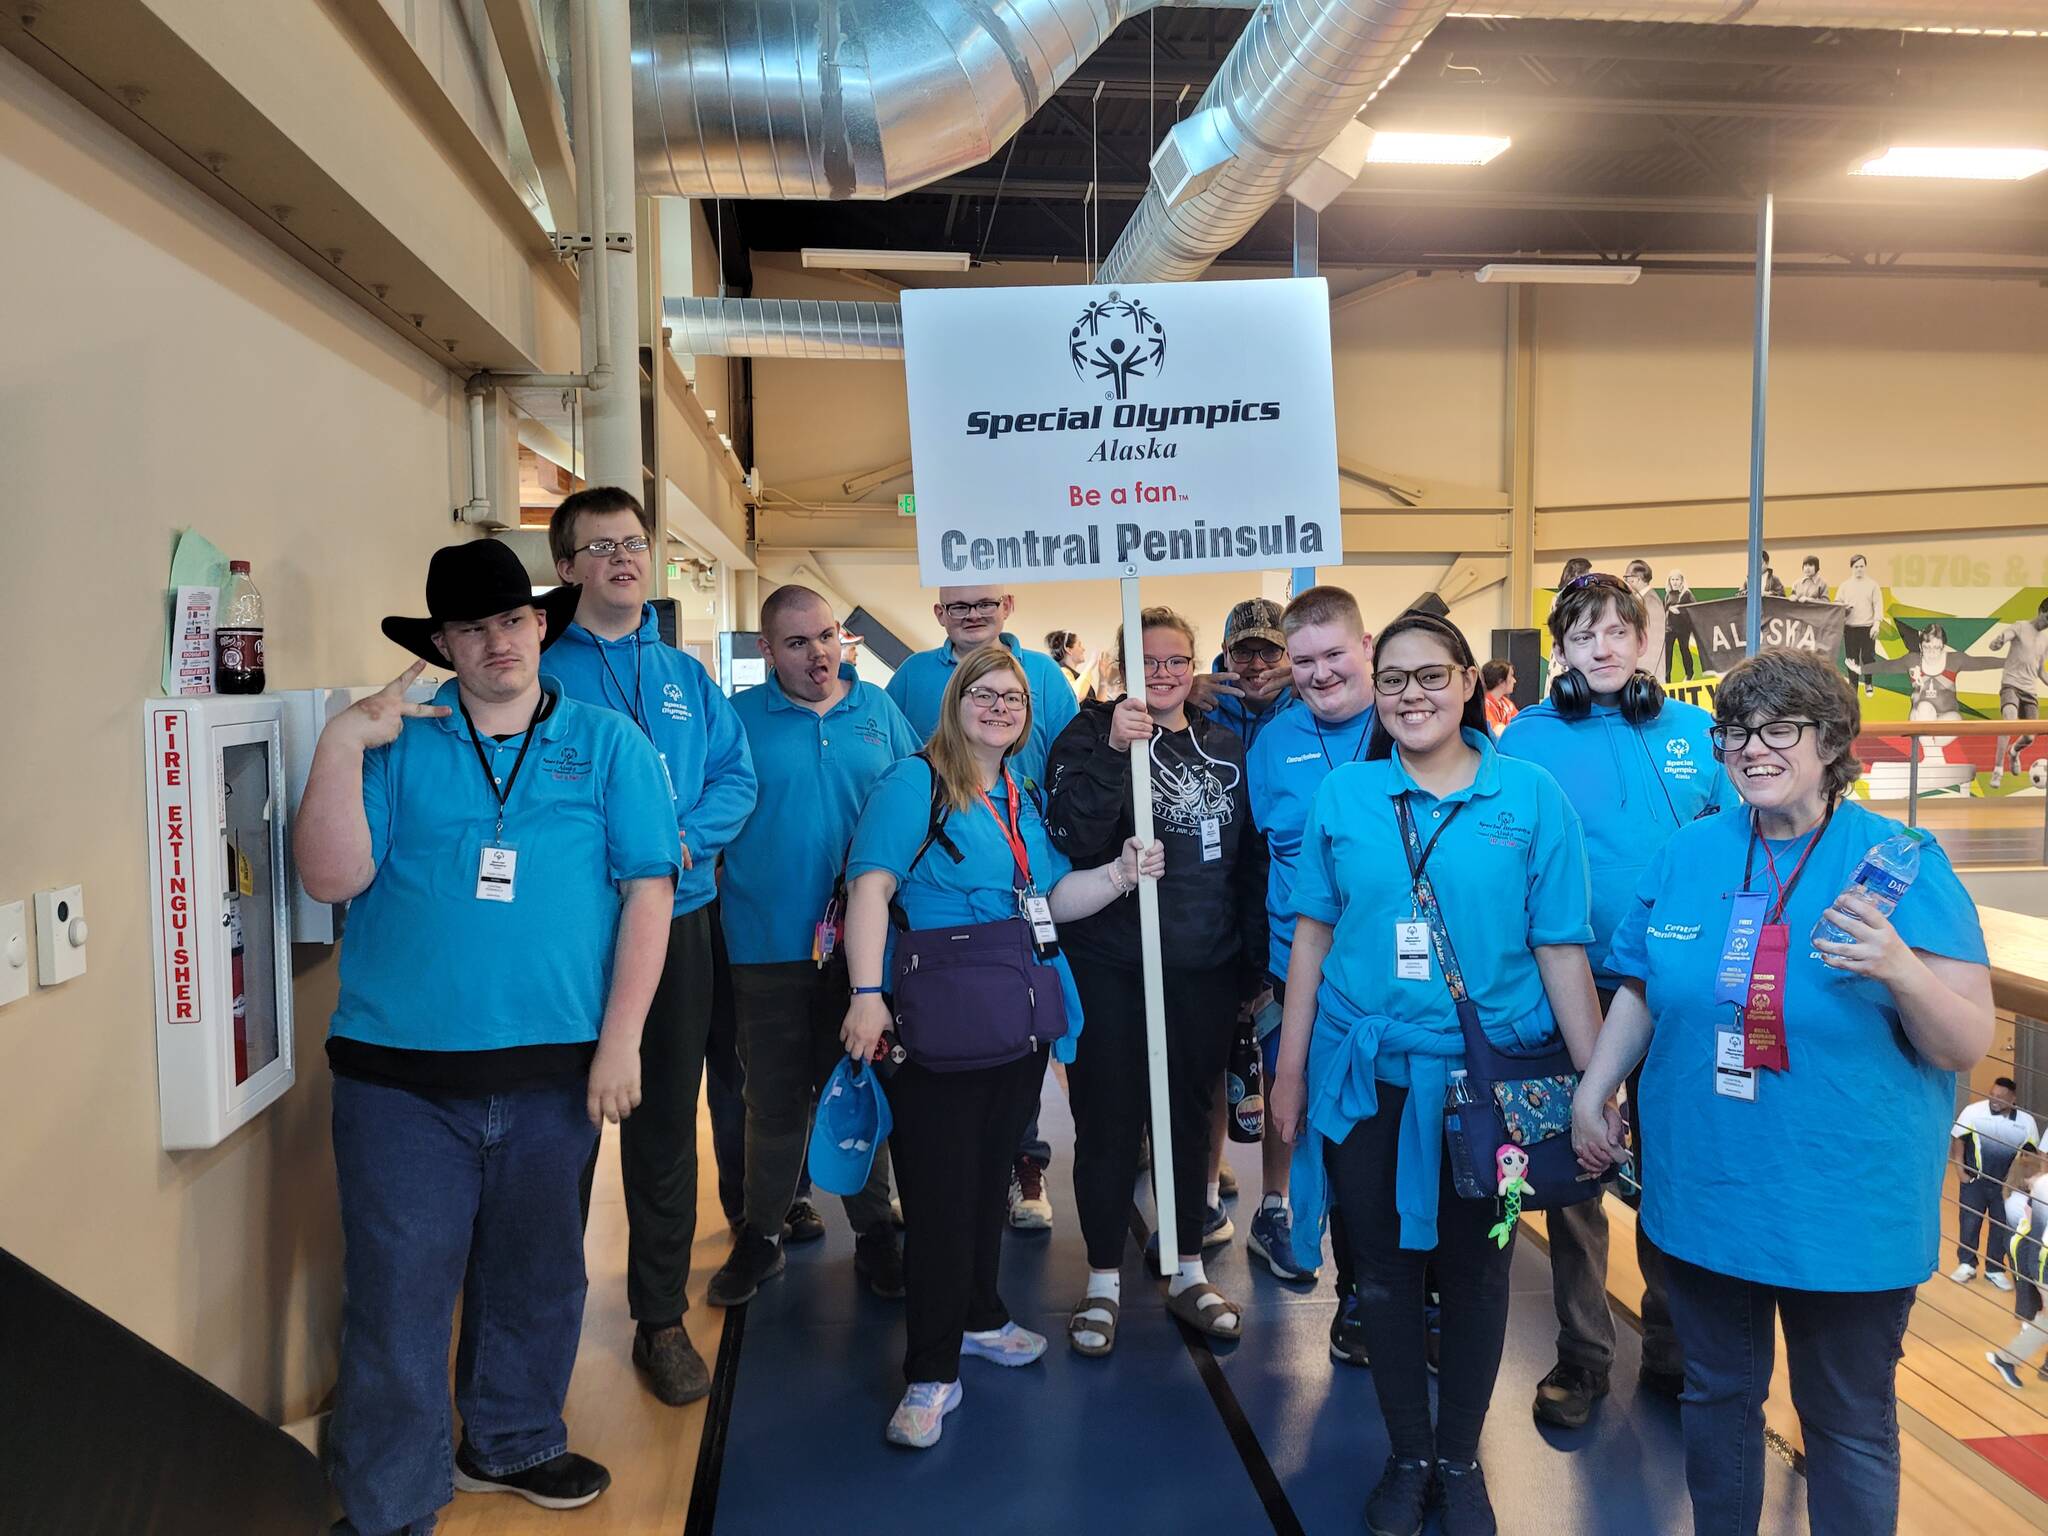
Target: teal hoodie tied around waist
x,y
1349,1055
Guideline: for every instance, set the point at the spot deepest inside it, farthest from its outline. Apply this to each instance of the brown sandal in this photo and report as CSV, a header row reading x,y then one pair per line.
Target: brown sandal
x,y
1187,1306
1079,1323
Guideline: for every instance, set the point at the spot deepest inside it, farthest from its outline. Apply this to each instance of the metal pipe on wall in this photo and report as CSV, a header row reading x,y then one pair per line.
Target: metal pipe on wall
x,y
613,454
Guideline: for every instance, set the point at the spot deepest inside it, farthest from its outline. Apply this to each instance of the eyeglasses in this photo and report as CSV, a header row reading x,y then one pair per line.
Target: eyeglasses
x,y
1256,651
1775,734
604,549
978,610
1394,680
988,698
1172,666
1601,579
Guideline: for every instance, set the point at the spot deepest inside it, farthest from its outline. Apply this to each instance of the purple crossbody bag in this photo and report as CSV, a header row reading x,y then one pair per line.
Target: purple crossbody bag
x,y
970,995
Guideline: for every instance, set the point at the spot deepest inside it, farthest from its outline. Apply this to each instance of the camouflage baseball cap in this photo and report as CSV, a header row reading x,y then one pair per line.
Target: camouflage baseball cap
x,y
1256,618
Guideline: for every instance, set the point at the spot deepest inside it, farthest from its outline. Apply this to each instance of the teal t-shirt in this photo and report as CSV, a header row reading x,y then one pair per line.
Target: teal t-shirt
x,y
1284,768
425,964
982,886
1743,1188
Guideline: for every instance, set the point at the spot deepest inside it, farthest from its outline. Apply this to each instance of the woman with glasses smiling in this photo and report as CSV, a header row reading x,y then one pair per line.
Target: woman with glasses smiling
x,y
1433,836
949,839
1782,1071
1212,934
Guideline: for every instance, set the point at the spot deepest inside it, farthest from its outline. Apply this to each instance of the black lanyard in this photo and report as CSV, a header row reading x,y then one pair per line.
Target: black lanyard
x,y
633,700
502,796
1777,913
1418,866
1357,747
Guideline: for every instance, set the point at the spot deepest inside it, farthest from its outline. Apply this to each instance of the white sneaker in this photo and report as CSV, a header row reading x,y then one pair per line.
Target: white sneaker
x,y
1963,1274
1008,1345
1997,777
921,1415
1999,1278
1030,1207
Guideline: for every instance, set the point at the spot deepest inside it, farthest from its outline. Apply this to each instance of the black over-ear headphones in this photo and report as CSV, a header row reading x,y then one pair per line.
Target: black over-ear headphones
x,y
1642,696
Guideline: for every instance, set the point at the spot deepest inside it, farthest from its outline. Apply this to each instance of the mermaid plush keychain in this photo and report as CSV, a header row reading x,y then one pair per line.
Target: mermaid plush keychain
x,y
1509,1164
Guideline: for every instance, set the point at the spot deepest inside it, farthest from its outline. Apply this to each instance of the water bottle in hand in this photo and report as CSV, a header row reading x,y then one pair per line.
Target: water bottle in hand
x,y
1885,875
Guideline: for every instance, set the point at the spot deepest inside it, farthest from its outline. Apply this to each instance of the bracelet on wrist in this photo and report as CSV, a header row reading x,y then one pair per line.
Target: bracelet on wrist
x,y
867,991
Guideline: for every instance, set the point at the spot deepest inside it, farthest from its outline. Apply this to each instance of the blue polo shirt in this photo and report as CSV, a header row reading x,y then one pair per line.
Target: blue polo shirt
x,y
815,772
672,699
1735,1186
427,966
1632,785
1285,767
920,684
982,887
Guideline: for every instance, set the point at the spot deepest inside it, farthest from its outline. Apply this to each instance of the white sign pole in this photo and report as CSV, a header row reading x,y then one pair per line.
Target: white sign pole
x,y
1164,1216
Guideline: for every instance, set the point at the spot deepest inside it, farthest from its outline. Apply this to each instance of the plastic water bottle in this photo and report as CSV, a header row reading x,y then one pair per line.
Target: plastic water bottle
x,y
1885,875
238,634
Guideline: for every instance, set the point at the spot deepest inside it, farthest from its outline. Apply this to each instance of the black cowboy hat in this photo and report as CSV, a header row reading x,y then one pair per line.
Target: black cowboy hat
x,y
474,581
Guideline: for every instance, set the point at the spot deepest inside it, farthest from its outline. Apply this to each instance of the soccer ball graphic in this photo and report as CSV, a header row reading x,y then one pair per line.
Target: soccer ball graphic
x,y
2037,773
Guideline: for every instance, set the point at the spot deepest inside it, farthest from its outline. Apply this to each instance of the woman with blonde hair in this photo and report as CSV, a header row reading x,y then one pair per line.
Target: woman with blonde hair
x,y
954,855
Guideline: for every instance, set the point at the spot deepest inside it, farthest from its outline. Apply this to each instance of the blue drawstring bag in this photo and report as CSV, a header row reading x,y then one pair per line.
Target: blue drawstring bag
x,y
853,1119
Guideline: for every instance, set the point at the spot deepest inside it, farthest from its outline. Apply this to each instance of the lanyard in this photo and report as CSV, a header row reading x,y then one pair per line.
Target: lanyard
x,y
1357,747
501,796
633,706
1418,866
1011,833
1777,913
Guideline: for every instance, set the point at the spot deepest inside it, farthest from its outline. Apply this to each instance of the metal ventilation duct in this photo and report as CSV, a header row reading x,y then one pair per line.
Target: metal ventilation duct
x,y
805,328
843,98
2025,17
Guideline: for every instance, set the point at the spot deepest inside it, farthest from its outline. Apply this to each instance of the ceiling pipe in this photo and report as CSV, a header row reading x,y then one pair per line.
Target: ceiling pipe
x,y
797,328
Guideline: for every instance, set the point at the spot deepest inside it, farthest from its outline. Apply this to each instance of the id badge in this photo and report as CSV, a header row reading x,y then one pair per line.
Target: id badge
x,y
496,870
1411,951
1732,1080
825,937
1038,913
1212,839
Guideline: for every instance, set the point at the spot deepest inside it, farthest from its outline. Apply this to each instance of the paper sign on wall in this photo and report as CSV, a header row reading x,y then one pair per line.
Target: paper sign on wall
x,y
1060,434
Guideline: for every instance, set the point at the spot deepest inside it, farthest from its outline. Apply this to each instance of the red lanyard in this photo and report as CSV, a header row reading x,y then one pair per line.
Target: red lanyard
x,y
1777,913
1011,834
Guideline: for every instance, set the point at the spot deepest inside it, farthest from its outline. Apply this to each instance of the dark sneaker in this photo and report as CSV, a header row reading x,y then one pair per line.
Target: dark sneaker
x,y
2007,1371
1664,1384
1401,1498
803,1224
1272,1239
1566,1396
1347,1332
754,1258
567,1482
877,1260
1467,1509
675,1370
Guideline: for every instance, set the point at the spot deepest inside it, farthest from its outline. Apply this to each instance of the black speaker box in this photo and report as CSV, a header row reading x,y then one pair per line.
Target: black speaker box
x,y
1521,649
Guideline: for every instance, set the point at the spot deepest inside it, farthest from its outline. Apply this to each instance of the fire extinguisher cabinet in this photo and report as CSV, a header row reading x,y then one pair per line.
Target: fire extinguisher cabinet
x,y
219,913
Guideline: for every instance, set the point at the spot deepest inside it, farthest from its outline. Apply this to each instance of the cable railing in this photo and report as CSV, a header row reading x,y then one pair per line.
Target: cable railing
x,y
2007,830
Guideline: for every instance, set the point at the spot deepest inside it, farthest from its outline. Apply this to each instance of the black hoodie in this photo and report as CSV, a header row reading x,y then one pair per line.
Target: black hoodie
x,y
1210,911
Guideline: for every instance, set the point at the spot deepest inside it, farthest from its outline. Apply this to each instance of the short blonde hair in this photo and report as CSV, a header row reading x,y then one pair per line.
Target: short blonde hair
x,y
1322,605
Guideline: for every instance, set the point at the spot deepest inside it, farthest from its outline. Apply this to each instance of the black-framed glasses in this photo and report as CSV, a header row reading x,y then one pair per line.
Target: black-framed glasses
x,y
604,549
1604,580
1261,651
1395,681
1778,735
988,698
975,610
1172,666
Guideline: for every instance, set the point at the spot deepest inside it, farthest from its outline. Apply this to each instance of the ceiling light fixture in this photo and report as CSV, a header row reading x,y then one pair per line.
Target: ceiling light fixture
x,y
1434,148
890,261
1558,272
1955,162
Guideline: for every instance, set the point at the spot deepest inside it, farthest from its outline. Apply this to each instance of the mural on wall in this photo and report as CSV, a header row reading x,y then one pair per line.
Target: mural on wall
x,y
1918,650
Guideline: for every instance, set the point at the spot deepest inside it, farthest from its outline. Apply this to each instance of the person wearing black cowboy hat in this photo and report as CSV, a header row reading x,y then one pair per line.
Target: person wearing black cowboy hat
x,y
504,851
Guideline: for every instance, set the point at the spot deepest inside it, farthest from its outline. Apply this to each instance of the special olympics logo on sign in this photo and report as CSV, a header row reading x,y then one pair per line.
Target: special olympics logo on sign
x,y
1119,340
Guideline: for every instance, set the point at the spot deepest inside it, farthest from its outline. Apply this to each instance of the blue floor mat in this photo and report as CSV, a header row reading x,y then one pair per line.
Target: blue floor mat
x,y
1135,1443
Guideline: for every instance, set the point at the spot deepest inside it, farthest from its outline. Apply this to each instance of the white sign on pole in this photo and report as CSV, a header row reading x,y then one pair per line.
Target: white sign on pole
x,y
1064,434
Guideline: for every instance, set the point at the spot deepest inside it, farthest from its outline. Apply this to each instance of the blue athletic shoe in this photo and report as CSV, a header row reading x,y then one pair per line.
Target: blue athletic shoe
x,y
1272,1239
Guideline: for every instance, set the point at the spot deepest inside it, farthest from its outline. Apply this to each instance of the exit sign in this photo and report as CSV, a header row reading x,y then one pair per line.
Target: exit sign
x,y
906,506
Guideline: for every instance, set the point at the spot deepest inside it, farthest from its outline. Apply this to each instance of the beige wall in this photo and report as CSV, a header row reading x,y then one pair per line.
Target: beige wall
x,y
171,369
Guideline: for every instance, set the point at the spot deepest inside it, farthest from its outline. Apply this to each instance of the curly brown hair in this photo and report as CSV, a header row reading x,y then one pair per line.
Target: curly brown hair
x,y
1785,684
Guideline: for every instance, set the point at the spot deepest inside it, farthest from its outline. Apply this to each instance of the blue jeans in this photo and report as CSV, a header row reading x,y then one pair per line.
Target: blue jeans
x,y
446,1197
1843,1349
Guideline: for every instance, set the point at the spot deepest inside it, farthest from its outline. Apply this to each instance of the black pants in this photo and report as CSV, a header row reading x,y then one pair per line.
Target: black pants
x,y
658,1141
1110,1088
1679,639
1472,1275
954,1140
1982,1199
789,1017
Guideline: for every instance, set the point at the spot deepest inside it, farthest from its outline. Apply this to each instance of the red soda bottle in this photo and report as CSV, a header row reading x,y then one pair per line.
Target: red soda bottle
x,y
238,634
